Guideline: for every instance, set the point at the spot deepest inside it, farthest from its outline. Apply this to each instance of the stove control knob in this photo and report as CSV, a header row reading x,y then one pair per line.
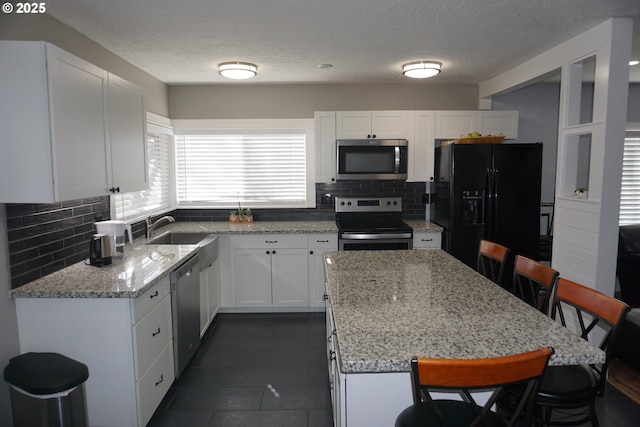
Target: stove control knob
x,y
395,203
349,203
342,203
388,203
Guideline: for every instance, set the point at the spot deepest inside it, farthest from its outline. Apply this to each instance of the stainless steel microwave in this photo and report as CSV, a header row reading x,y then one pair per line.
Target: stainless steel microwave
x,y
381,159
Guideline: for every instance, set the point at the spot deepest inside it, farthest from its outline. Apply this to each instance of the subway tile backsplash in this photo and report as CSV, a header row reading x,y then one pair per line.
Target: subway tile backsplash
x,y
411,193
44,238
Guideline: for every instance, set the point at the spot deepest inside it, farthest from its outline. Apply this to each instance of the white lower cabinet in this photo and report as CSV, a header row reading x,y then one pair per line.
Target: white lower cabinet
x,y
126,344
427,240
270,270
318,245
368,399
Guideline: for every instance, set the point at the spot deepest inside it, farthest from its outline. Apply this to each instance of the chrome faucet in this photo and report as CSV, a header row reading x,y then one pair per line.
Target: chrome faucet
x,y
152,226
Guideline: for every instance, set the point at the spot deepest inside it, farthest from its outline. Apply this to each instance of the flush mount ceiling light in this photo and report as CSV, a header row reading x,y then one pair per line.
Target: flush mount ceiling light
x,y
421,69
237,70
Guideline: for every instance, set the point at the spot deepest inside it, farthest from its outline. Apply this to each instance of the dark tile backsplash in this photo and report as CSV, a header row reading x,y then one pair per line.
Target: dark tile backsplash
x,y
44,238
411,193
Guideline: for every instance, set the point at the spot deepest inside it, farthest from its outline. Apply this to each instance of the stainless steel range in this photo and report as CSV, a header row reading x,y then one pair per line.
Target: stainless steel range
x,y
371,223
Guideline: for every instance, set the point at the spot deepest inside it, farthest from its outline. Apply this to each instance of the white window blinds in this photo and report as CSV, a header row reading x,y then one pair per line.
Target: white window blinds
x,y
630,190
255,169
156,198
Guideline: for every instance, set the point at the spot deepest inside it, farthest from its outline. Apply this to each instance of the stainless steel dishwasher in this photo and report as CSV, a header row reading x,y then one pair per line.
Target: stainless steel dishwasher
x,y
185,309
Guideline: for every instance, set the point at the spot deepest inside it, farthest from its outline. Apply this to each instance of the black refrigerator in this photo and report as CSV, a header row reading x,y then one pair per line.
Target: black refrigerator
x,y
488,191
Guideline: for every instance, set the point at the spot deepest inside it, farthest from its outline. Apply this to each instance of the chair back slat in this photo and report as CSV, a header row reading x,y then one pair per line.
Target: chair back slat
x,y
466,375
534,282
491,260
590,301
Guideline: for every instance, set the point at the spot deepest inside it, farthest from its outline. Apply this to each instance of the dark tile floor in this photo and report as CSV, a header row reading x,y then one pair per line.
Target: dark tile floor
x,y
254,370
271,370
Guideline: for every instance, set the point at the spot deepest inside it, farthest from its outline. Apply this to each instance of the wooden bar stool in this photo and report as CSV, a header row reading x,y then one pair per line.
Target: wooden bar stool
x,y
461,377
534,282
491,260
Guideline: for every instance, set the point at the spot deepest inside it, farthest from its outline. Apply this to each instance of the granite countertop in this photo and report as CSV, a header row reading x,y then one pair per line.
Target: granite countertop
x,y
389,306
224,227
144,265
420,225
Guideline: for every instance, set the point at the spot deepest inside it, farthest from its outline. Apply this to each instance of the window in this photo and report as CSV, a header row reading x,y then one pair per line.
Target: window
x,y
257,169
155,199
630,190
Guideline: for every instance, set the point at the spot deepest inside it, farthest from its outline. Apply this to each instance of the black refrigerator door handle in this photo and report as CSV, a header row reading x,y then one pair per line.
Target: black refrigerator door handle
x,y
496,187
489,227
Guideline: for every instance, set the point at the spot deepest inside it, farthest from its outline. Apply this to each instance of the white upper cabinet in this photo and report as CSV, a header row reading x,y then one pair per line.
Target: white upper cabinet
x,y
325,139
61,141
127,130
374,124
453,124
498,122
421,147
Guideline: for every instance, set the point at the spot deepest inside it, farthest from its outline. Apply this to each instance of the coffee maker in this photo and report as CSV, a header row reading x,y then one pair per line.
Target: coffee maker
x,y
115,229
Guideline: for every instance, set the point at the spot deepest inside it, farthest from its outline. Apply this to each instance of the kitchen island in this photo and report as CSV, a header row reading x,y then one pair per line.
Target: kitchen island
x,y
384,307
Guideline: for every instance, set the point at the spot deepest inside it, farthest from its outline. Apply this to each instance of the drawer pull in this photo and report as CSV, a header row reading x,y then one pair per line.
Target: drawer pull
x,y
155,333
427,240
271,241
322,241
160,381
155,294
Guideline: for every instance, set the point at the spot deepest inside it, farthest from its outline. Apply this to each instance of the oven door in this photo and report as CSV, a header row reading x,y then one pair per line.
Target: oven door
x,y
362,242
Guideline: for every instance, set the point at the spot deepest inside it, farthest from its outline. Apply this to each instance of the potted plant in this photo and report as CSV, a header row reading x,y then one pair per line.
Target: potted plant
x,y
241,215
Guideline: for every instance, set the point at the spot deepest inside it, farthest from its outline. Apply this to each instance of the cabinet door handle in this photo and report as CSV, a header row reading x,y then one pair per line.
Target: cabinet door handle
x,y
271,241
156,332
332,355
155,294
311,252
273,252
427,240
160,380
268,252
322,241
325,297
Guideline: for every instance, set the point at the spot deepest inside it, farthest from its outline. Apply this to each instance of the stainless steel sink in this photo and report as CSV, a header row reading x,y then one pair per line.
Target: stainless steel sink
x,y
179,238
208,243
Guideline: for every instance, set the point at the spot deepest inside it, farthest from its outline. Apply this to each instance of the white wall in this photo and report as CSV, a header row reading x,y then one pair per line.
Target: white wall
x,y
9,345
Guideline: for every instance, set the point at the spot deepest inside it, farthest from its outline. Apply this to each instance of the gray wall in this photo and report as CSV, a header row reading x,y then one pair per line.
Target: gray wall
x,y
538,107
44,27
9,345
300,101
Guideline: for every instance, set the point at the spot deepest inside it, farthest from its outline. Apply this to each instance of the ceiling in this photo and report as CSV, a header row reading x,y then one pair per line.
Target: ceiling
x,y
366,41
